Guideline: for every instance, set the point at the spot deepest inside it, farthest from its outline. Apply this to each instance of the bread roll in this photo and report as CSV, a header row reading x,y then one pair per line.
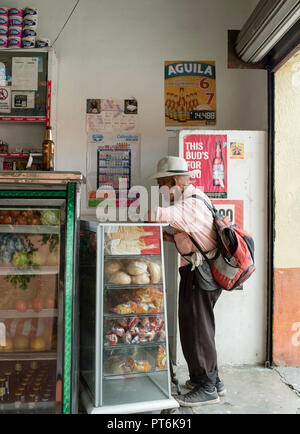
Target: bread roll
x,y
135,268
112,266
155,272
141,279
120,278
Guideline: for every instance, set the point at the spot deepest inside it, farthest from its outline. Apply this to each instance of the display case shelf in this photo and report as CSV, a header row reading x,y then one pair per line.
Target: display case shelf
x,y
26,355
108,347
29,229
132,256
110,286
131,315
12,271
12,313
131,375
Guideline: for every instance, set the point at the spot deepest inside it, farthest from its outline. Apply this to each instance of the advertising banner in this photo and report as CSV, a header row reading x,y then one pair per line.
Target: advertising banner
x,y
207,153
190,93
234,209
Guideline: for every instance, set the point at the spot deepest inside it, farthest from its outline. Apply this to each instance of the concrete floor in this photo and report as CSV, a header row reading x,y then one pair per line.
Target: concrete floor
x,y
250,390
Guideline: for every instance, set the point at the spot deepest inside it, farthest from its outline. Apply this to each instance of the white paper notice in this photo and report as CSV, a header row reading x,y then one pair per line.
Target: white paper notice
x,y
5,99
25,73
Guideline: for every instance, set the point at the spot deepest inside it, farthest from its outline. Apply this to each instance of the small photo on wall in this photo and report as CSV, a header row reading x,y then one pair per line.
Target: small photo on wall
x,y
130,107
93,106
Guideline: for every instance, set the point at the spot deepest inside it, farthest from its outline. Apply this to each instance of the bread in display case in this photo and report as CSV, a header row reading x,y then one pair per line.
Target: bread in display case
x,y
124,342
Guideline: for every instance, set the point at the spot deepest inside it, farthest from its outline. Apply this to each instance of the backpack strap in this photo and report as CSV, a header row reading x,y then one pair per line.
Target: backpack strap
x,y
211,208
213,211
200,250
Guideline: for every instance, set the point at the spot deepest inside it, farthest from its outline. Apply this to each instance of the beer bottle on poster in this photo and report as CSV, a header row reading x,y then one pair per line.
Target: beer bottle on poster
x,y
48,150
182,106
218,167
167,105
175,110
188,107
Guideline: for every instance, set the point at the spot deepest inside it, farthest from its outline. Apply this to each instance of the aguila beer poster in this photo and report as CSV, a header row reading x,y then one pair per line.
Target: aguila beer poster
x,y
190,93
207,153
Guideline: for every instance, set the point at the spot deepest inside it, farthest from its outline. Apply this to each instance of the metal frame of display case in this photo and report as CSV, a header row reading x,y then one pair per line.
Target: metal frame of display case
x,y
34,189
93,402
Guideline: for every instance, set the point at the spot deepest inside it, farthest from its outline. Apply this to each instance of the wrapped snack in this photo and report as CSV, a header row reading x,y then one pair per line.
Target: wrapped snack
x,y
141,366
159,303
119,331
162,334
154,271
128,337
147,335
161,358
126,308
132,323
112,266
120,278
136,339
144,292
112,339
130,365
123,322
135,268
146,324
141,279
145,308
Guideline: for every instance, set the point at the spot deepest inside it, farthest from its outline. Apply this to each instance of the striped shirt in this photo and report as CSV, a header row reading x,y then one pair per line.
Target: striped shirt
x,y
191,216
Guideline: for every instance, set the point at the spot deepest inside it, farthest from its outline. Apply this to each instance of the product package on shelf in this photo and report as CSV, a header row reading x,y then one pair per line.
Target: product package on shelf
x,y
132,240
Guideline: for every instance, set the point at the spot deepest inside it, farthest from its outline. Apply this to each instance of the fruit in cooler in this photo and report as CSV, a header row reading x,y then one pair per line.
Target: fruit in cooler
x,y
21,343
21,305
37,304
50,217
38,258
38,343
20,259
8,345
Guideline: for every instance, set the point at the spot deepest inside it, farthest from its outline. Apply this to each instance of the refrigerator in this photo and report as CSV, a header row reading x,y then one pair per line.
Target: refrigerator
x,y
233,168
39,336
124,354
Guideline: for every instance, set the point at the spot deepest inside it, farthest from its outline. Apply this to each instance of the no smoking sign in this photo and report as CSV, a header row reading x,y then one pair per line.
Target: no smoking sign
x,y
5,100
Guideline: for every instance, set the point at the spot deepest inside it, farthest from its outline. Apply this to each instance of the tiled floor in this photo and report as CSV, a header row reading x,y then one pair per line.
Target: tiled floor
x,y
250,390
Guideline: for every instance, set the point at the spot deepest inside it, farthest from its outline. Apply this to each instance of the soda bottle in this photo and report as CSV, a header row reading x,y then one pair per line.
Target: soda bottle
x,y
218,167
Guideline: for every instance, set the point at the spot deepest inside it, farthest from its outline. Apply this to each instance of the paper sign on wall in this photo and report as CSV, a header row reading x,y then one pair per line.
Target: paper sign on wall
x,y
207,153
25,73
190,93
234,209
237,150
111,114
5,99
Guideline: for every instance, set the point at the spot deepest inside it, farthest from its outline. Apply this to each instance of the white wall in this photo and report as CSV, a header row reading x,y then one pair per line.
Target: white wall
x,y
117,48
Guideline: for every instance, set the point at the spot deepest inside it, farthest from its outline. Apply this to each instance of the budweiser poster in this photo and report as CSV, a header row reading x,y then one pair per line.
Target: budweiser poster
x,y
207,153
190,93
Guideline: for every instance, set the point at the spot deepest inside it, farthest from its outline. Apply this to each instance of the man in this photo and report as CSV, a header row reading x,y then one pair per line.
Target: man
x,y
190,216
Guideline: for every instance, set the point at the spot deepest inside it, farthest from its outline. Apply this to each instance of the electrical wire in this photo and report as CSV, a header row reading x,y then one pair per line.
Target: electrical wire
x,y
71,13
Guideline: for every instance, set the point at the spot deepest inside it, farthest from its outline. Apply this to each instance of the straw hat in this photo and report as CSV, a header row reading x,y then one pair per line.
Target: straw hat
x,y
170,166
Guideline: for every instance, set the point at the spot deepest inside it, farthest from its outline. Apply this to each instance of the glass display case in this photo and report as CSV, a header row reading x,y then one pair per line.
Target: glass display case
x,y
124,357
38,311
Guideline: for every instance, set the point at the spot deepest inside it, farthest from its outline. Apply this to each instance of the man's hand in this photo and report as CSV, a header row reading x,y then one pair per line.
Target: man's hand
x,y
169,238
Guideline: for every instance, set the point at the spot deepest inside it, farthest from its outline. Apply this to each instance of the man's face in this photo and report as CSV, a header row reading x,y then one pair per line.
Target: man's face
x,y
168,183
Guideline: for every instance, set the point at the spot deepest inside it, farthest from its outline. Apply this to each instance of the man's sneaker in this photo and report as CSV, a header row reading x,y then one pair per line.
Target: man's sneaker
x,y
198,396
220,386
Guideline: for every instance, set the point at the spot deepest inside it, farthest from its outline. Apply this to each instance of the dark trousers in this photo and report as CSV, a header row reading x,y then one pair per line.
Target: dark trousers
x,y
197,328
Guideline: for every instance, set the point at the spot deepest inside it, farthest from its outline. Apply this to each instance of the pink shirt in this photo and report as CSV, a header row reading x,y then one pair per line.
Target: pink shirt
x,y
190,216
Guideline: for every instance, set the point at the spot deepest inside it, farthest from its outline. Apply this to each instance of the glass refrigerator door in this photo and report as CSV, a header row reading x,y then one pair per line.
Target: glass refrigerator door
x,y
134,336
30,306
